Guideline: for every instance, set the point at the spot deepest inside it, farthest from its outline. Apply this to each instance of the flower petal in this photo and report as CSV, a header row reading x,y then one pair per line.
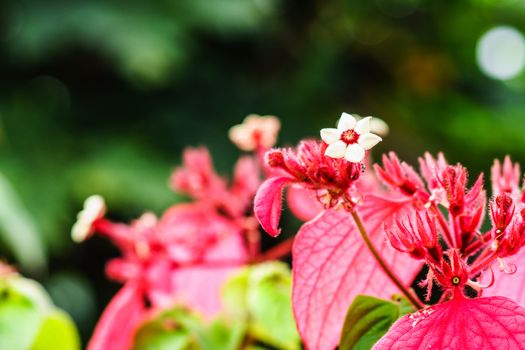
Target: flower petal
x,y
336,150
330,135
346,122
369,140
363,126
355,153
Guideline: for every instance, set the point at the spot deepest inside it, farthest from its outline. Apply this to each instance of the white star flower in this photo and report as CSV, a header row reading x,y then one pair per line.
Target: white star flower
x,y
255,131
94,208
351,138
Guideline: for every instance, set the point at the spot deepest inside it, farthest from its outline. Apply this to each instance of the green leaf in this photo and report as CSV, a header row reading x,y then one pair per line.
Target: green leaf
x,y
57,333
367,320
179,329
260,295
18,230
20,320
405,306
234,295
220,335
165,333
28,319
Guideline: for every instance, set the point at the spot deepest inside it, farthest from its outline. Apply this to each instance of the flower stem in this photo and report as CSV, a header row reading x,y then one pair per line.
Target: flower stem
x,y
279,251
410,296
444,225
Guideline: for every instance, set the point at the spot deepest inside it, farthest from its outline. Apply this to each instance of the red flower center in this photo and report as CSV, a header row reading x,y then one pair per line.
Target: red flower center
x,y
349,137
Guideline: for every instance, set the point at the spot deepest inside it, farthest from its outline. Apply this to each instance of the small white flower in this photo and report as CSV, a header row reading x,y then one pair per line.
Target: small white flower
x,y
351,138
94,208
255,131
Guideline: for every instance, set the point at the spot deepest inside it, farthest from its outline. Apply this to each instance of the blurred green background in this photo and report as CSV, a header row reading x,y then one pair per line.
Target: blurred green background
x,y
102,96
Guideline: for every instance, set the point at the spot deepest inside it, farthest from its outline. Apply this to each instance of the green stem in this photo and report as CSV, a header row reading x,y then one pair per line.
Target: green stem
x,y
413,299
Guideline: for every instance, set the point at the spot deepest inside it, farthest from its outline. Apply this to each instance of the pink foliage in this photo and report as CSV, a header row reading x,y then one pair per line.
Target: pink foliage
x,y
117,325
186,255
329,256
198,179
268,203
332,266
303,203
457,322
509,281
434,219
181,259
509,276
495,323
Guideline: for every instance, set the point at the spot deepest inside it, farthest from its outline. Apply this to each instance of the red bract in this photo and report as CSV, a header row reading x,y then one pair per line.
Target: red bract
x,y
198,179
400,176
495,323
506,178
330,179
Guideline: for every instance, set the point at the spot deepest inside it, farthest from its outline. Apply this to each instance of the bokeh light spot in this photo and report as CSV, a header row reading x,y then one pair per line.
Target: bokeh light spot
x,y
501,53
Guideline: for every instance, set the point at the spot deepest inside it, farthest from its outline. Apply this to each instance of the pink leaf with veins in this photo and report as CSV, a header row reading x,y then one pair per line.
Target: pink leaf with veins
x,y
332,265
268,203
303,203
510,285
495,323
116,327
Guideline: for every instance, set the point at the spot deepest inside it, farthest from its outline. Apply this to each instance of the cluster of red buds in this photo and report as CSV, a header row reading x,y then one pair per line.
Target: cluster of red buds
x,y
445,231
308,166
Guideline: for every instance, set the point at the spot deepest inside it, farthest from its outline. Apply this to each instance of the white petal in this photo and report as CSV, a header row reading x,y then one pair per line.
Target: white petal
x,y
80,231
369,140
363,126
379,126
330,135
336,150
355,153
346,122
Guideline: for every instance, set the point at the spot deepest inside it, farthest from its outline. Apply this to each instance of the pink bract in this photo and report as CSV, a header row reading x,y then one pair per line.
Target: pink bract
x,y
116,327
494,323
332,265
268,203
198,179
510,284
303,203
181,259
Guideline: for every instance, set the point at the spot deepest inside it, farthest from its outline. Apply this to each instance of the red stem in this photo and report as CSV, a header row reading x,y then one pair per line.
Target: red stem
x,y
482,263
388,271
279,251
476,245
444,225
